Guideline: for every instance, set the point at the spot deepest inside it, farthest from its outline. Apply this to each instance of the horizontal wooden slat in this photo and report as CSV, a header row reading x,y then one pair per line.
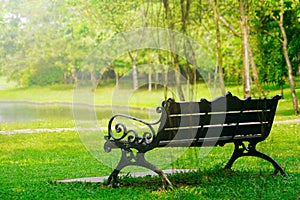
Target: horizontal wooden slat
x,y
206,141
199,119
211,131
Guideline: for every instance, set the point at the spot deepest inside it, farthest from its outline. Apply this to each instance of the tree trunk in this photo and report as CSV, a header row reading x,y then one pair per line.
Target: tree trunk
x,y
74,75
93,79
150,80
65,77
134,76
134,70
190,70
215,77
255,74
166,85
156,80
178,78
250,55
219,50
174,49
289,65
245,47
281,91
117,79
194,83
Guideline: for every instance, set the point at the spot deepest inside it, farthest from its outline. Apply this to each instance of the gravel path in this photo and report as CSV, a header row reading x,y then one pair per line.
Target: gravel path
x,y
49,130
291,121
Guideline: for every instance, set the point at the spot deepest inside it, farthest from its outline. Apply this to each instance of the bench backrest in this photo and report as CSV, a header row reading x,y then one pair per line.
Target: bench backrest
x,y
222,120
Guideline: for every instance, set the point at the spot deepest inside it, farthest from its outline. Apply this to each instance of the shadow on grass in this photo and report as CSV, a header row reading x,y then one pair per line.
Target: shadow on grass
x,y
222,177
212,184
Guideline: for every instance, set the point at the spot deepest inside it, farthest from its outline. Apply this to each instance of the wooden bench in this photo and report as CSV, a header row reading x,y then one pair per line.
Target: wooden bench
x,y
226,119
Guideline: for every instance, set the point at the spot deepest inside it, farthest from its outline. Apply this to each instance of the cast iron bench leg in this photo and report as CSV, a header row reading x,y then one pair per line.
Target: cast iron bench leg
x,y
114,178
127,159
251,151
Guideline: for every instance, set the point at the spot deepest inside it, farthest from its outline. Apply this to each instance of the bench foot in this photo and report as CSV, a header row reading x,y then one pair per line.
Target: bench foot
x,y
128,158
241,150
114,178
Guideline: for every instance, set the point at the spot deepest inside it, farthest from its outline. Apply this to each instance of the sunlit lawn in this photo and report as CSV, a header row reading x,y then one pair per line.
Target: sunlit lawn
x,y
30,163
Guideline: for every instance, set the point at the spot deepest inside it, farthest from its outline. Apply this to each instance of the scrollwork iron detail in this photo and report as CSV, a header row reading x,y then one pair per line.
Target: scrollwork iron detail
x,y
131,136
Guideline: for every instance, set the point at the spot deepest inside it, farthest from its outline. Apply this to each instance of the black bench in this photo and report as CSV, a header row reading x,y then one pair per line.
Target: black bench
x,y
226,119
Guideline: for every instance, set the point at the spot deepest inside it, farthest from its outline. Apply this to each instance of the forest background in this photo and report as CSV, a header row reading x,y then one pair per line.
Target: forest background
x,y
251,43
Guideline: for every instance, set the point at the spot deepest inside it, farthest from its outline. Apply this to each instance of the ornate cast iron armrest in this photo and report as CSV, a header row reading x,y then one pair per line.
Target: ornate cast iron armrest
x,y
132,135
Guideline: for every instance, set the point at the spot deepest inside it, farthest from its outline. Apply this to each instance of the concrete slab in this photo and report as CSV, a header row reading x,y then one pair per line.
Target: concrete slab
x,y
135,174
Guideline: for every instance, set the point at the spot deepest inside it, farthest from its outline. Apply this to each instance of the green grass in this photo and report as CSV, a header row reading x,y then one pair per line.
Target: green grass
x,y
49,124
30,164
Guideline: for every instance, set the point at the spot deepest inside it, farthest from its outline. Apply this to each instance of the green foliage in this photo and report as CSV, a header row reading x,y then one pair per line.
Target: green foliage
x,y
272,64
273,68
64,33
46,76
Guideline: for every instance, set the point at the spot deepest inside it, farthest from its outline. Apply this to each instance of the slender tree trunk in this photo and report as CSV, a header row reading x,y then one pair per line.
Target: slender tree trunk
x,y
150,80
65,77
219,46
174,50
245,47
74,75
178,78
156,80
93,79
194,97
215,77
135,76
166,84
281,91
250,55
134,70
117,79
255,74
190,69
188,51
289,65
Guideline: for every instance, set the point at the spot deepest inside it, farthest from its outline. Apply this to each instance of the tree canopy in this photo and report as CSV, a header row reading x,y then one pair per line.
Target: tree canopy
x,y
47,42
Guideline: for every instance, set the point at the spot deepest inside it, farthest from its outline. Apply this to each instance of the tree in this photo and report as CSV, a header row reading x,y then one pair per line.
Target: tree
x,y
286,56
219,48
119,16
277,11
171,26
247,54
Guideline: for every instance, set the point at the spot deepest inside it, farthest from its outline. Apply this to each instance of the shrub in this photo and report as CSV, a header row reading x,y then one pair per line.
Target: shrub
x,y
46,76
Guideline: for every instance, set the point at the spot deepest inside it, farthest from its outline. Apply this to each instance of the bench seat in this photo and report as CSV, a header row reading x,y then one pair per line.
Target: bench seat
x,y
226,119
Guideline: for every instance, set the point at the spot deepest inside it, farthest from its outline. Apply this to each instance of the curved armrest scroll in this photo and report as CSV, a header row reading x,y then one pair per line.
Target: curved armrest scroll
x,y
132,135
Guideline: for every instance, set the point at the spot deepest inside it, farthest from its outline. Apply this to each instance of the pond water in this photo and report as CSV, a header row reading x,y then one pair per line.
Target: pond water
x,y
26,111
